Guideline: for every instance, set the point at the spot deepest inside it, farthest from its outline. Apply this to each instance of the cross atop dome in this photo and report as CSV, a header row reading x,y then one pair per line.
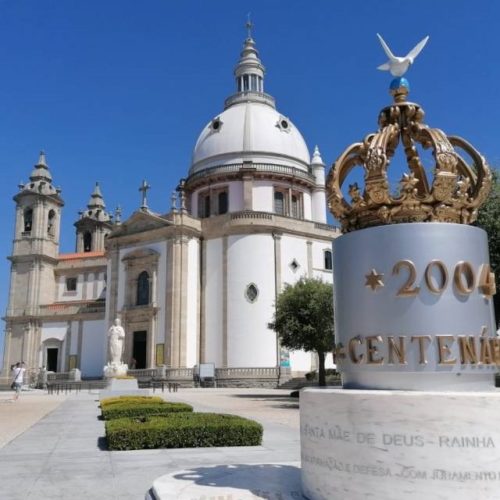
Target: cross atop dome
x,y
249,26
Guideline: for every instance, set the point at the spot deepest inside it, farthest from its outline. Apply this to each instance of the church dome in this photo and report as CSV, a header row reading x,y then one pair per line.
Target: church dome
x,y
250,129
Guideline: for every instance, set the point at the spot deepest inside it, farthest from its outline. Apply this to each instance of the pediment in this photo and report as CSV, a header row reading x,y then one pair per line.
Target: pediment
x,y
140,222
141,253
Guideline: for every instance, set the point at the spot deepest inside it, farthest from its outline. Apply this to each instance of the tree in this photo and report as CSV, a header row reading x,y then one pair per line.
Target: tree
x,y
304,319
489,220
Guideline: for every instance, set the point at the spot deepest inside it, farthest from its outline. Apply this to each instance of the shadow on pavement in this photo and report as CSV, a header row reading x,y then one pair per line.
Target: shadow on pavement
x,y
102,443
266,481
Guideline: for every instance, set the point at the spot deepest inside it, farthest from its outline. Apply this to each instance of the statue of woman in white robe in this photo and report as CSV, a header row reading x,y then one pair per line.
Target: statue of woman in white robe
x,y
116,336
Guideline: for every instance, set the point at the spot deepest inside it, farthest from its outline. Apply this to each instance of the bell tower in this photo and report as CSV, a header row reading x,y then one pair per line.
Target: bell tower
x,y
34,256
94,224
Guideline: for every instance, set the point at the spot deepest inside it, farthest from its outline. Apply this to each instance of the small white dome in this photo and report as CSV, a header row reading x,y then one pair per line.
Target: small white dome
x,y
250,131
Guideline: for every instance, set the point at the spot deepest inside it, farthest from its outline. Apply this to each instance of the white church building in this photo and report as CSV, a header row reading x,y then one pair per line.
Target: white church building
x,y
195,285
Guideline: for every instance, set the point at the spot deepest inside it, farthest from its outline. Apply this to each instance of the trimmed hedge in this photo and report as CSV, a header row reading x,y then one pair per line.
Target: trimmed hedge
x,y
131,399
122,410
182,430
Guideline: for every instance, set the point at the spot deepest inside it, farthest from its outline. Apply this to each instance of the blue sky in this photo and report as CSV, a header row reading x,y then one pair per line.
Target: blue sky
x,y
118,91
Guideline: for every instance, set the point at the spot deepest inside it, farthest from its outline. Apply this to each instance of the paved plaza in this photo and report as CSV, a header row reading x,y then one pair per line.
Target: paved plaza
x,y
53,446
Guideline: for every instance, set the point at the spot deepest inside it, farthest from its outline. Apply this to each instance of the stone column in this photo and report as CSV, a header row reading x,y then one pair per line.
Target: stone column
x,y
112,282
203,281
6,354
154,279
309,259
169,296
247,192
183,290
289,208
224,302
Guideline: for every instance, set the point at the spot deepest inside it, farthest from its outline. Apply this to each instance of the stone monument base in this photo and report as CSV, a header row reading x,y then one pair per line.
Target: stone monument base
x,y
122,387
389,445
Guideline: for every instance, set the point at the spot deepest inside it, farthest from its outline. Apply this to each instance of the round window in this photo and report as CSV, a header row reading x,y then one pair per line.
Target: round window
x,y
216,124
284,124
252,292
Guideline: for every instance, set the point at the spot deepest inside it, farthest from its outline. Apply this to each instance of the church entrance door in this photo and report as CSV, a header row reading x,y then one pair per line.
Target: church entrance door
x,y
139,349
52,354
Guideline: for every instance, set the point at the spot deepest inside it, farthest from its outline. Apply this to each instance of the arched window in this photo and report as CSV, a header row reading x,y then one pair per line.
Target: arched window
x,y
143,289
28,220
87,241
328,260
279,203
222,201
204,205
50,222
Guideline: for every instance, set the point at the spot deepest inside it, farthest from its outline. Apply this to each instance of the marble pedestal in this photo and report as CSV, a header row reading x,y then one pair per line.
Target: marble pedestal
x,y
390,445
122,387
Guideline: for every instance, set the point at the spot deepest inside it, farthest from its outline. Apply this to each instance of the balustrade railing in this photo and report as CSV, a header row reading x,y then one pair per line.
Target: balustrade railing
x,y
258,167
249,214
64,308
245,373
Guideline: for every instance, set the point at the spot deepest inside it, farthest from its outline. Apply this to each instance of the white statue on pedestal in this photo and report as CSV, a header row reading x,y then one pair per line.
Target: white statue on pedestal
x,y
116,337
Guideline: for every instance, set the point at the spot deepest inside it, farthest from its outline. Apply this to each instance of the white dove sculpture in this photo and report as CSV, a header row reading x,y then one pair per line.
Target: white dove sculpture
x,y
398,66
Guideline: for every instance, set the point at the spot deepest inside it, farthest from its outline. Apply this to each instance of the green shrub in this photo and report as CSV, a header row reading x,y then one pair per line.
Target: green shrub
x,y
127,409
131,399
182,430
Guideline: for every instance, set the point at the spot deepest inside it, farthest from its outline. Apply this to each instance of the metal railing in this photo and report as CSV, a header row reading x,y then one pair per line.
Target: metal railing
x,y
252,94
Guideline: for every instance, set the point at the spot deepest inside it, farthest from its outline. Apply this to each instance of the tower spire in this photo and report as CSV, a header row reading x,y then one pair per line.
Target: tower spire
x,y
96,208
41,171
249,71
96,200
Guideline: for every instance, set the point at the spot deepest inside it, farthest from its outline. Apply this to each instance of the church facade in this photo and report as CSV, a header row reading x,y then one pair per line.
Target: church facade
x,y
195,285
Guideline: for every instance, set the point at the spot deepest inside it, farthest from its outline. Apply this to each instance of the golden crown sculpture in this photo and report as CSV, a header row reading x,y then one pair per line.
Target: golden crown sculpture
x,y
458,189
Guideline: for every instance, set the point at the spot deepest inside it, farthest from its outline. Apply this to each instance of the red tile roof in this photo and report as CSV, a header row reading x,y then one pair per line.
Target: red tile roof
x,y
81,255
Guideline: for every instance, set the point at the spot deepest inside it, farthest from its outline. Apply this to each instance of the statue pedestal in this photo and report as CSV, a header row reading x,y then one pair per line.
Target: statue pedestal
x,y
390,445
115,370
122,387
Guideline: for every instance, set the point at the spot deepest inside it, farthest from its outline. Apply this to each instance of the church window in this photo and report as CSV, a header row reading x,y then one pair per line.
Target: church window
x,y
204,205
328,260
143,289
87,241
216,124
283,124
223,202
251,293
245,83
279,203
28,220
71,284
294,265
240,85
50,222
